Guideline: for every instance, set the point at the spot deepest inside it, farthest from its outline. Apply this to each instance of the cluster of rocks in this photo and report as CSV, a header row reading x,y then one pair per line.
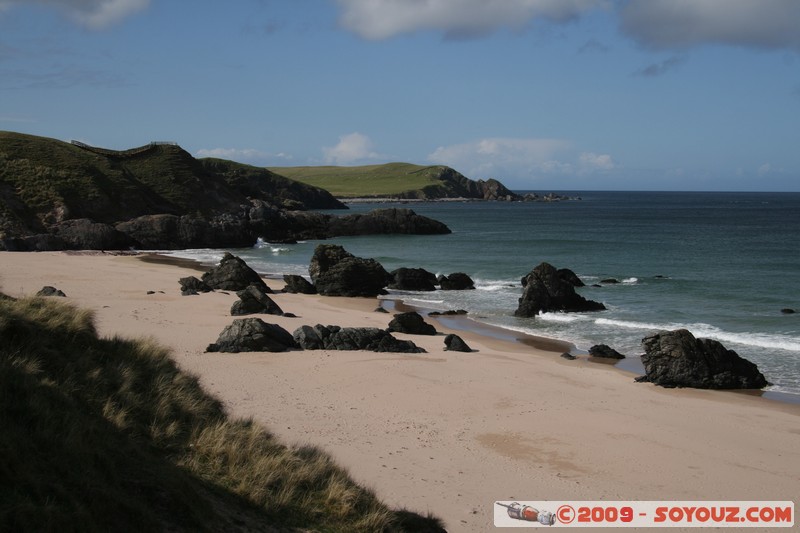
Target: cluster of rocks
x,y
672,358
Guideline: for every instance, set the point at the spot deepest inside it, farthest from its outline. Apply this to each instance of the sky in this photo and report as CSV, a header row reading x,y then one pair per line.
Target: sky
x,y
543,95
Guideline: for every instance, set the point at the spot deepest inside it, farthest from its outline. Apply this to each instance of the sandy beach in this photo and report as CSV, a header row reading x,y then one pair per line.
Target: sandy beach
x,y
445,432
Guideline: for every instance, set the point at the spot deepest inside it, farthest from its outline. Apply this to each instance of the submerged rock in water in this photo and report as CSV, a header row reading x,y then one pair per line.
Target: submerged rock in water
x,y
546,291
457,281
412,279
678,359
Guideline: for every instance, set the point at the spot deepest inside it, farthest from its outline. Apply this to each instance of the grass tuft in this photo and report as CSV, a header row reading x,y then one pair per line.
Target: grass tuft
x,y
108,434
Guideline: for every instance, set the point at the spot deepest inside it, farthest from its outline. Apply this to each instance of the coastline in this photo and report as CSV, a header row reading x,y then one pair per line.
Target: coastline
x,y
445,431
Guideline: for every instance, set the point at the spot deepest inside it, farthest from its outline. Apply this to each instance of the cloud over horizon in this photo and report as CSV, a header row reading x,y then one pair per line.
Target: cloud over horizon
x,y
351,148
515,158
92,14
383,19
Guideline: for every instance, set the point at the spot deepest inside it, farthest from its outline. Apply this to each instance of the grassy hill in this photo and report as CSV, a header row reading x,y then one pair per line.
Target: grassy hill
x,y
44,181
104,434
391,180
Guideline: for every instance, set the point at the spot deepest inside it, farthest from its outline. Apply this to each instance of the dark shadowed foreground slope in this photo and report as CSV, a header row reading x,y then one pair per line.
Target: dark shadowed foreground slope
x,y
109,435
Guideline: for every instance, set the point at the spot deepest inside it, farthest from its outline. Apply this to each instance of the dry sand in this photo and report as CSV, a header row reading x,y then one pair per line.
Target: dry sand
x,y
446,432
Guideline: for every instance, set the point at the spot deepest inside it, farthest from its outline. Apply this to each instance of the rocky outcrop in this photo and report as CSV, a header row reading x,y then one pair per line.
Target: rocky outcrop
x,y
337,338
412,323
253,335
570,277
454,343
545,291
412,279
47,290
254,300
233,274
298,285
605,351
337,272
678,359
458,281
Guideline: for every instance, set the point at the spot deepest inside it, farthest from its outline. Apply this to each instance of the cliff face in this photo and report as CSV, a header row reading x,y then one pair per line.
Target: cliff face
x,y
55,195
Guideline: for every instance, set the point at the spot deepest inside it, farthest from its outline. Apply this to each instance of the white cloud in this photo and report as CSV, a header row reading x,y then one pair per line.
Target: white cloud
x,y
241,154
382,19
591,162
514,158
93,14
486,157
685,23
352,148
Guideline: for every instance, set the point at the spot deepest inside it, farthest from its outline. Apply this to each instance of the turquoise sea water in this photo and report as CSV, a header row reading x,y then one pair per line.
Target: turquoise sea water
x,y
722,265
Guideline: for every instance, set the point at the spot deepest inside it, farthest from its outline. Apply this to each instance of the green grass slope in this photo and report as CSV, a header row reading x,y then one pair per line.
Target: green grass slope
x,y
399,180
109,435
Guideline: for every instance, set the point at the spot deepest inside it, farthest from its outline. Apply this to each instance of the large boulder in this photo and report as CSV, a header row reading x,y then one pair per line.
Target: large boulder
x,y
546,291
678,359
254,300
337,338
233,274
454,343
412,323
298,285
457,281
337,272
252,335
412,279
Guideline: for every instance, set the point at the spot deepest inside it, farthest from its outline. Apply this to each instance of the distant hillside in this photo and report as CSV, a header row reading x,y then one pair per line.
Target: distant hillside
x,y
397,180
45,181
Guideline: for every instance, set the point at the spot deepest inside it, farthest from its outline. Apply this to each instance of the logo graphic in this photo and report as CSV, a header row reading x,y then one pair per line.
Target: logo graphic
x,y
529,514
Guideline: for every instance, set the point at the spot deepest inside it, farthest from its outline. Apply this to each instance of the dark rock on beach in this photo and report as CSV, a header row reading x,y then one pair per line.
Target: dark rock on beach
x,y
298,285
337,272
678,359
454,343
47,290
254,300
191,286
605,351
412,323
337,338
253,335
545,291
413,279
233,274
457,281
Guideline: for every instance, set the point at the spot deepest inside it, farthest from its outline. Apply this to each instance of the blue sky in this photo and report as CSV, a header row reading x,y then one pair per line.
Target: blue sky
x,y
540,94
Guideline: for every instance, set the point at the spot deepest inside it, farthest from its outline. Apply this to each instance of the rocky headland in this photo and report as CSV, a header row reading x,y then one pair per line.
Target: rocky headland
x,y
71,196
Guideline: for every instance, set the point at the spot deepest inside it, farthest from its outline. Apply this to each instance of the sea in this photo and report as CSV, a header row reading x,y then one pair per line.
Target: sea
x,y
724,265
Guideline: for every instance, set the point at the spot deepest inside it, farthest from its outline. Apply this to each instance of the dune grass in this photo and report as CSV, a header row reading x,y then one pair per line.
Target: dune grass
x,y
109,435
